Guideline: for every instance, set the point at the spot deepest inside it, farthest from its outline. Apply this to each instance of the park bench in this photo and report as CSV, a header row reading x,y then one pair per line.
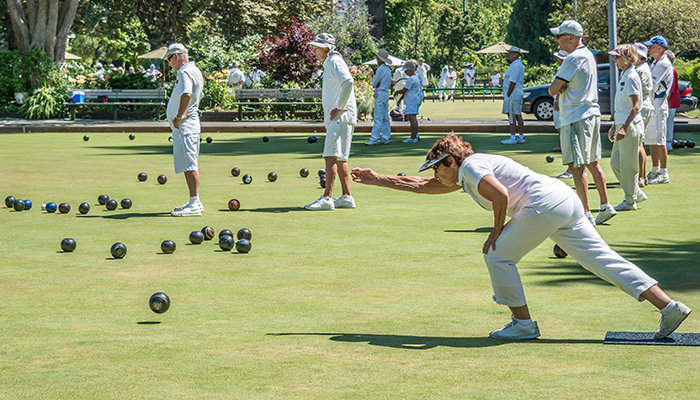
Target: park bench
x,y
481,92
118,97
283,95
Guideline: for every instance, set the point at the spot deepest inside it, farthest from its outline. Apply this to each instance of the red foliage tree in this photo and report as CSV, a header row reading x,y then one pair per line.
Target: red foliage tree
x,y
288,58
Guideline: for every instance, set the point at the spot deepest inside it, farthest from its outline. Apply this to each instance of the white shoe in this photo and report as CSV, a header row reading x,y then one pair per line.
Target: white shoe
x,y
659,179
323,203
625,206
605,213
197,205
590,217
409,140
520,140
516,331
641,196
651,175
189,210
509,141
344,201
372,142
383,141
565,175
670,323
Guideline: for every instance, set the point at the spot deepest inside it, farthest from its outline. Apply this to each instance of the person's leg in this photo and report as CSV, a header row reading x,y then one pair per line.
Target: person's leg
x,y
519,122
599,179
192,179
670,128
414,125
580,183
331,172
643,165
343,171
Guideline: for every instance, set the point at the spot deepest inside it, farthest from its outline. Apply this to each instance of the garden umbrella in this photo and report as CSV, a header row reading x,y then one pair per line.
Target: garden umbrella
x,y
70,56
500,47
158,53
394,61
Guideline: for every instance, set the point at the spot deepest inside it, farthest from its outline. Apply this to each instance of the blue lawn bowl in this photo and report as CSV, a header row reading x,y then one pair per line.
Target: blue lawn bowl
x,y
27,205
51,207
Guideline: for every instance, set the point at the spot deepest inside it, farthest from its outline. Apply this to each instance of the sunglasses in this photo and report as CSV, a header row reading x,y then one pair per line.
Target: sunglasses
x,y
562,35
169,57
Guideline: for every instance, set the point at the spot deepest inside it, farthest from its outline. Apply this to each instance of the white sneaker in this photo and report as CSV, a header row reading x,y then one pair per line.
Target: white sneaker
x,y
565,175
197,205
323,203
372,142
625,206
409,140
516,331
344,201
605,213
520,140
189,210
671,322
383,141
660,179
590,217
641,196
651,175
509,141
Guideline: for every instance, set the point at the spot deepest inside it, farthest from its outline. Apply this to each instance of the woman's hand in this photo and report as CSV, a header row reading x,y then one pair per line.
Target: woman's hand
x,y
365,176
491,240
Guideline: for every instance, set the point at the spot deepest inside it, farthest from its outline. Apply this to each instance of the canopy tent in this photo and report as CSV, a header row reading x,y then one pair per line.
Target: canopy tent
x,y
70,56
394,61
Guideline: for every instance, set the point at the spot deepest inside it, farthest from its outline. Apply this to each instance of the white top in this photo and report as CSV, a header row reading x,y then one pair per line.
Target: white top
x,y
515,73
423,71
399,74
382,78
414,95
443,77
662,77
580,100
452,78
647,86
235,76
629,85
496,79
469,73
526,188
338,91
189,80
255,75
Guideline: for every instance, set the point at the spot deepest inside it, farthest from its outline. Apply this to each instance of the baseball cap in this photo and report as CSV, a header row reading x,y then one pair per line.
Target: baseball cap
x,y
430,162
175,48
515,49
642,50
325,40
569,26
658,39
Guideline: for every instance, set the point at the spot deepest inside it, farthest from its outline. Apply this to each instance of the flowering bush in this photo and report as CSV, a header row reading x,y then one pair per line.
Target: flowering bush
x,y
288,58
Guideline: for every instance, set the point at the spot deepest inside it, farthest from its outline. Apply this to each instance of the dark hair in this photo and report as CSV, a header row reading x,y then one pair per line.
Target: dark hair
x,y
452,145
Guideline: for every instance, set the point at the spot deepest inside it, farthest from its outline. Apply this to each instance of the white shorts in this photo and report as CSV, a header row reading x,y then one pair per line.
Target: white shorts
x,y
338,139
513,104
412,109
656,129
580,142
186,145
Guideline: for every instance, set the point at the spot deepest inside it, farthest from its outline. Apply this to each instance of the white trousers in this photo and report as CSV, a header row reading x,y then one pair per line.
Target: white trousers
x,y
624,159
567,226
382,123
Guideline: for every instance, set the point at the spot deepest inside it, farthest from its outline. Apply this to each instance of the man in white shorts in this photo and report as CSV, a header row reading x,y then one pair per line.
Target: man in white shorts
x,y
513,96
655,137
579,114
340,117
183,116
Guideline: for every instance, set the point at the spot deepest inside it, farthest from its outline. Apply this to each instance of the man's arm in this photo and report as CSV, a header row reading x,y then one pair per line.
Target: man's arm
x,y
415,184
511,87
557,87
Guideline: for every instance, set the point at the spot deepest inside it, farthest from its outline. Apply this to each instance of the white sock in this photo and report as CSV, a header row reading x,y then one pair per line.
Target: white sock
x,y
512,137
522,136
194,200
669,308
663,171
523,321
654,169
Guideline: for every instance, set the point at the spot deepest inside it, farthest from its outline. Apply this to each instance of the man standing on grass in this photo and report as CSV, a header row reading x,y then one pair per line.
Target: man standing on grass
x,y
381,130
576,84
183,116
340,117
513,96
655,138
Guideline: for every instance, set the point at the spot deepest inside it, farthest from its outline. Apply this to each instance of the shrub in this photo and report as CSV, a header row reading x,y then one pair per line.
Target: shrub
x,y
689,71
9,81
46,102
288,58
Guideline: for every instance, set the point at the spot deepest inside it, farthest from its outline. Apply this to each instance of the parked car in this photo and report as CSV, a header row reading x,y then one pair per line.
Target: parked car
x,y
537,100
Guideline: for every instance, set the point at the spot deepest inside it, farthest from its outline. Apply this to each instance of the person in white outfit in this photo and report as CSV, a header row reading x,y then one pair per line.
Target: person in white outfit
x,y
647,105
381,130
576,84
256,75
494,79
469,75
627,132
340,118
451,82
655,137
398,80
539,207
413,98
236,77
183,116
513,96
444,75
423,70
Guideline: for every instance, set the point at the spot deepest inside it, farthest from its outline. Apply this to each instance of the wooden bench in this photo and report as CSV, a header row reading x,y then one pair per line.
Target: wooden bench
x,y
282,94
119,97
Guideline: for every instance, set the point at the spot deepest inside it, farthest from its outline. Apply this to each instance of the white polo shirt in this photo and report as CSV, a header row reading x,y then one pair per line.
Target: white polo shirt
x,y
423,71
515,73
235,76
647,86
662,77
630,84
335,74
580,100
382,79
189,80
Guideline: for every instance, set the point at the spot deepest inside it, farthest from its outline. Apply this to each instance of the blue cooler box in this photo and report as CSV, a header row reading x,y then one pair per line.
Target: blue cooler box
x,y
78,96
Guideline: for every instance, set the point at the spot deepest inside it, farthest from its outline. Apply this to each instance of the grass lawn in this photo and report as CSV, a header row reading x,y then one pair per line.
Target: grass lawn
x,y
389,300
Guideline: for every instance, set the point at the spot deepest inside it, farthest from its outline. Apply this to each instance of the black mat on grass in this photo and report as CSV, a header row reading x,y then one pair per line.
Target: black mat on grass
x,y
647,338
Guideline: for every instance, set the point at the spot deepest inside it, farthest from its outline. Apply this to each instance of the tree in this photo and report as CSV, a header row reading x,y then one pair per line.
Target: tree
x,y
166,21
39,24
288,58
377,9
527,28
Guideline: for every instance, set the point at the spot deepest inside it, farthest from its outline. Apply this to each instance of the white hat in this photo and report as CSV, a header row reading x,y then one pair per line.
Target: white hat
x,y
384,56
175,48
445,67
569,26
642,50
325,40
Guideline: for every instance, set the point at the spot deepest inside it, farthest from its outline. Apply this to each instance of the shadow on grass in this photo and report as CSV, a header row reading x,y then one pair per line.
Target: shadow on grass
x,y
128,215
275,210
477,230
430,342
148,322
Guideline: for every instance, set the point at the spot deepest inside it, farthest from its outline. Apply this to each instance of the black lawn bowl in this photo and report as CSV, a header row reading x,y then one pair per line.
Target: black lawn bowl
x,y
86,138
243,246
247,179
244,233
162,179
84,208
225,232
266,139
322,181
159,302
196,237
102,199
68,245
310,139
321,172
132,137
400,174
304,172
226,243
208,232
170,139
64,208
550,158
209,139
118,250
559,252
142,177
111,204
10,201
126,203
168,246
235,171
18,205
272,177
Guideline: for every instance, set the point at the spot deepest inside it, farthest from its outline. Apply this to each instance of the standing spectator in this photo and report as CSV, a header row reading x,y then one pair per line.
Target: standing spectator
x,y
674,102
183,116
381,130
142,70
413,98
451,82
256,75
495,79
423,70
153,73
236,77
647,105
559,56
577,85
100,73
444,75
627,132
399,78
655,138
469,75
340,117
513,96
120,70
131,69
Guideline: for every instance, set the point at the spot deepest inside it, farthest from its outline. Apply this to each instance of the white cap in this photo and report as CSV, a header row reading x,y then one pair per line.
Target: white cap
x,y
175,48
642,50
569,26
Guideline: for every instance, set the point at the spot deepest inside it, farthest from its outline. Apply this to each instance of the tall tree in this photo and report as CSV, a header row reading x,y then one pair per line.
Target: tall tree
x,y
528,24
42,24
166,21
377,9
